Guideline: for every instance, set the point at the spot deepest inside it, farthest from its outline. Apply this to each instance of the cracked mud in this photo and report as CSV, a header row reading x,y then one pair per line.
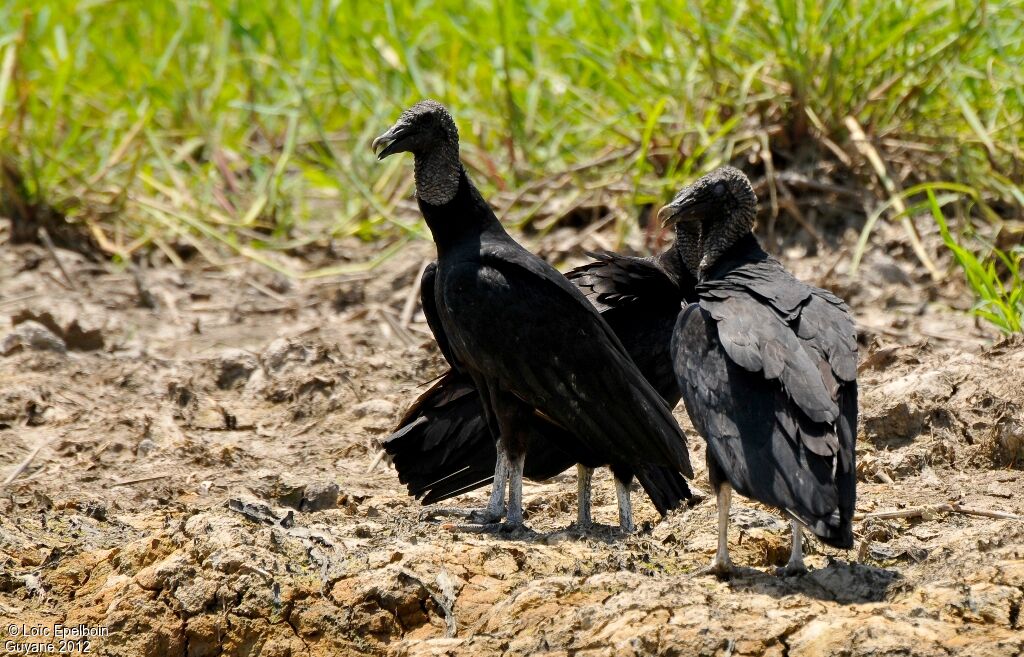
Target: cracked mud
x,y
204,480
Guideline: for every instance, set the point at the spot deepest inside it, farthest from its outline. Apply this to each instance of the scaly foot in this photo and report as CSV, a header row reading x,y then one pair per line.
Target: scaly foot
x,y
484,516
502,528
791,569
720,568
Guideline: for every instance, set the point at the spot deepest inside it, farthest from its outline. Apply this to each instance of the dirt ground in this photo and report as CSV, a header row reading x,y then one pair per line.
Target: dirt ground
x,y
200,477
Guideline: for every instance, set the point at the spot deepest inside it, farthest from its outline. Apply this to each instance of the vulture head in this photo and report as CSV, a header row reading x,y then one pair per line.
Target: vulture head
x,y
420,129
724,195
710,216
427,131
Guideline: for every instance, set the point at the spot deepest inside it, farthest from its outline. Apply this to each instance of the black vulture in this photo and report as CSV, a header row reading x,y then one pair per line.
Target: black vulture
x,y
525,335
443,448
767,366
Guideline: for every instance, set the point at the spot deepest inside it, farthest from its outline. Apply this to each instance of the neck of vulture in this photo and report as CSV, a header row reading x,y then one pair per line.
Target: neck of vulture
x,y
719,236
688,245
453,208
438,171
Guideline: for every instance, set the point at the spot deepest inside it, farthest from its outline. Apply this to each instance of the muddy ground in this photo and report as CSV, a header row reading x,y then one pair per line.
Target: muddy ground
x,y
200,477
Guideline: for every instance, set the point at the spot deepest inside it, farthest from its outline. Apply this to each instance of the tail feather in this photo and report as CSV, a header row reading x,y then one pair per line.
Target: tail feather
x,y
456,485
666,487
835,530
442,446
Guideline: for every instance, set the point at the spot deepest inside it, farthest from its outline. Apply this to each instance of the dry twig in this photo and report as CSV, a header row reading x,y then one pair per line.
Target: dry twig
x,y
14,300
263,289
24,464
48,243
140,480
376,461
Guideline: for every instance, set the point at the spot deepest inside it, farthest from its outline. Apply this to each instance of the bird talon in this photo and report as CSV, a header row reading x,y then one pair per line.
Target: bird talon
x,y
485,516
487,528
720,569
472,516
791,570
502,528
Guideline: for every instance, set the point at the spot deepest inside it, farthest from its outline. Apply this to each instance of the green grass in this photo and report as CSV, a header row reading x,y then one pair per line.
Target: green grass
x,y
994,278
236,122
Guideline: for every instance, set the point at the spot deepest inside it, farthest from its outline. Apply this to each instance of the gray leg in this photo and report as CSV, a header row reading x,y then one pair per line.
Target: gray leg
x,y
495,509
584,475
514,518
721,565
795,566
625,507
496,505
511,415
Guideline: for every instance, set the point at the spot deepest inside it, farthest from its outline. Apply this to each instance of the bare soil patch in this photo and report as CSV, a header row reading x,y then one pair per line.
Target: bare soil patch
x,y
201,478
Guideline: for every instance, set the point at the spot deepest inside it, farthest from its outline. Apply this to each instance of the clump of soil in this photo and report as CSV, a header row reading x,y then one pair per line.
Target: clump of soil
x,y
202,478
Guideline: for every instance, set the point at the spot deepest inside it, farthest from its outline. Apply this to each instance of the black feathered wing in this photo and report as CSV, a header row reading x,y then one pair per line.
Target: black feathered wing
x,y
767,379
612,281
429,304
443,447
578,372
640,300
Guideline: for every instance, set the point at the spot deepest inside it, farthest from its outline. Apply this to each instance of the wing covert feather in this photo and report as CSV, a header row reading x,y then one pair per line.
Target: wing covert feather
x,y
578,373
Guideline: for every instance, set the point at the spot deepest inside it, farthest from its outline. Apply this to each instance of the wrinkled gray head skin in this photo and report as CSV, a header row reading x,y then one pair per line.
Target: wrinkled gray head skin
x,y
710,215
427,131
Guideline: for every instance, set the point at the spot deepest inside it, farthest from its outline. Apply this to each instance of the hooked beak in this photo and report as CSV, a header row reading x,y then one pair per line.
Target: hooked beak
x,y
386,142
684,208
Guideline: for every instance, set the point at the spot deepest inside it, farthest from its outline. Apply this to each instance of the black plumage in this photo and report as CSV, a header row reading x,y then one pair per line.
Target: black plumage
x,y
640,299
767,367
528,339
442,446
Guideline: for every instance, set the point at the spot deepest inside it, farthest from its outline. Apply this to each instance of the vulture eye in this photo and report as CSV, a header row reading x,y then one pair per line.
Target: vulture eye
x,y
719,190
